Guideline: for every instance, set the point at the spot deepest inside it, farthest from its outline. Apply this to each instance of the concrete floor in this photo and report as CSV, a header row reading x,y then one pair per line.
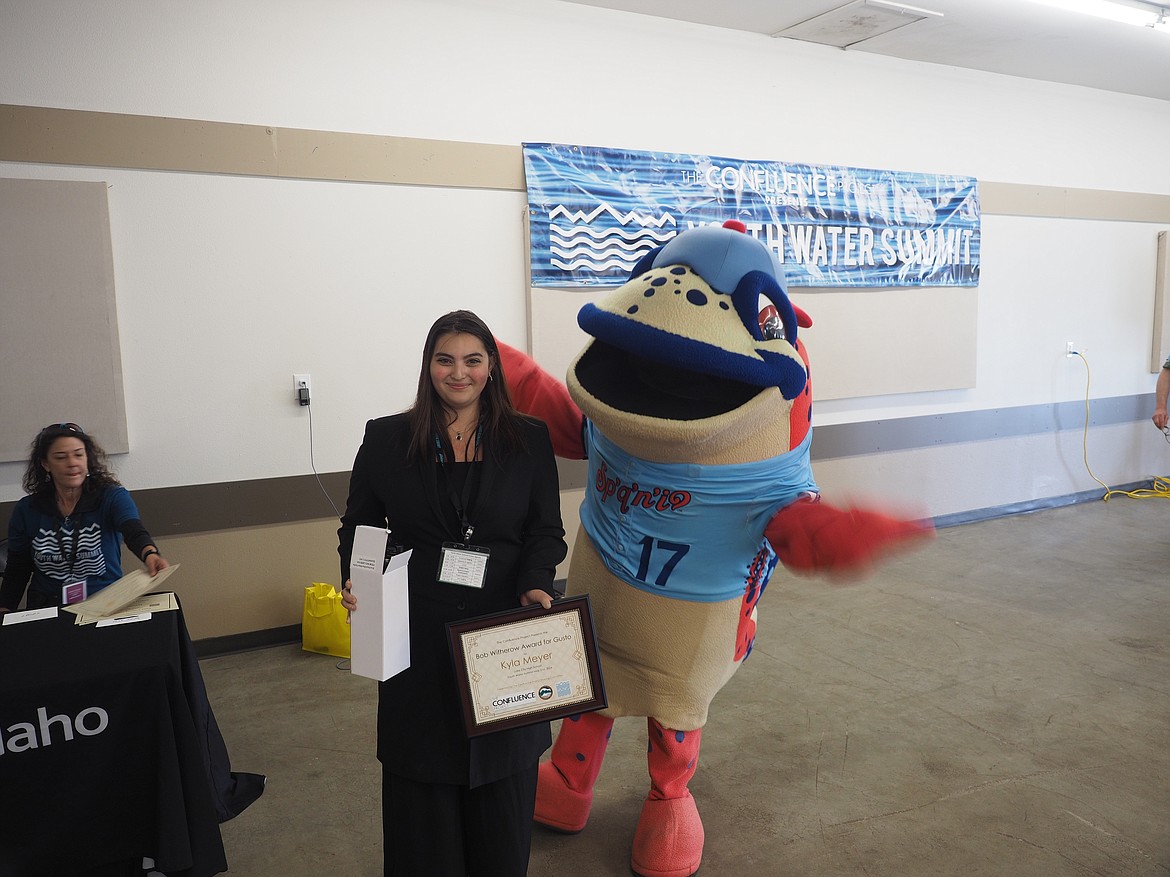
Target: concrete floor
x,y
994,704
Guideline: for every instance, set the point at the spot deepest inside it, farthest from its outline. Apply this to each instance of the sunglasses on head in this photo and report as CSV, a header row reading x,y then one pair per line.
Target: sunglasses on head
x,y
64,427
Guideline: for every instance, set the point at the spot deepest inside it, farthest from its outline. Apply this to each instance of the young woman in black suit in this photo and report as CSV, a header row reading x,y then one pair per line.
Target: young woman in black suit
x,y
460,466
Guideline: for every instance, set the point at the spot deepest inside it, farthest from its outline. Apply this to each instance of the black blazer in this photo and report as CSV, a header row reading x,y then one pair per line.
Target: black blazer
x,y
515,509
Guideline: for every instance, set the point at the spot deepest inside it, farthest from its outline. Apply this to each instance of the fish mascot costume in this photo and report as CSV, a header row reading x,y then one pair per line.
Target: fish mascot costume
x,y
692,404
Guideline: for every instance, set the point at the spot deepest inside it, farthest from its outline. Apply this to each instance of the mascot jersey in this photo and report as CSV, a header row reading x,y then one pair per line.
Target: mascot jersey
x,y
688,531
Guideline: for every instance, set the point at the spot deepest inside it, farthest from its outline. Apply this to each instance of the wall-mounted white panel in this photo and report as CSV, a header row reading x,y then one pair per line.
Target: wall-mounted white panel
x,y
60,358
1160,348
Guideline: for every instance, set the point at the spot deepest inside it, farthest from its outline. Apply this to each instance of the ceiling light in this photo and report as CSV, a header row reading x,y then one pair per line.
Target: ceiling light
x,y
1138,13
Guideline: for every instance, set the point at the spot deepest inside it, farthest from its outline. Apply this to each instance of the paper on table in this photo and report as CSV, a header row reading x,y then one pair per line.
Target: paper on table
x,y
144,605
379,631
28,615
124,619
110,600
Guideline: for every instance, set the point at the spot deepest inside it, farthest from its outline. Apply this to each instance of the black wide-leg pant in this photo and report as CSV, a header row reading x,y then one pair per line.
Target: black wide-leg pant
x,y
439,830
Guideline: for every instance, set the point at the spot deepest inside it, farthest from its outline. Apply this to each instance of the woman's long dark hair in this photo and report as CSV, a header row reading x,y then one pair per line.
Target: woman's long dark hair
x,y
497,415
38,481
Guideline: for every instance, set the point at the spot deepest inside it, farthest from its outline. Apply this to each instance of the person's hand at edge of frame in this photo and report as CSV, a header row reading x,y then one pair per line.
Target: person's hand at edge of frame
x,y
155,562
536,595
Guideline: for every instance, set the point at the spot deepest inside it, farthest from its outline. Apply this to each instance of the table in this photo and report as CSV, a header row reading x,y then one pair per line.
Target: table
x,y
109,752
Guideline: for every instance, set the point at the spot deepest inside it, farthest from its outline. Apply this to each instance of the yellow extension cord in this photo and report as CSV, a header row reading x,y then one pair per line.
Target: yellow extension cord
x,y
1160,487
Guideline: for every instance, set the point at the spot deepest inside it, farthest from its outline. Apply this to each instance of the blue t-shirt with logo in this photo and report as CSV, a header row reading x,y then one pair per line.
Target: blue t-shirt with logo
x,y
86,545
684,530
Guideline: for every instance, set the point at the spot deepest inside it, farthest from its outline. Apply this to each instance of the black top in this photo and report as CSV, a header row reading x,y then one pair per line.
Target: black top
x,y
515,509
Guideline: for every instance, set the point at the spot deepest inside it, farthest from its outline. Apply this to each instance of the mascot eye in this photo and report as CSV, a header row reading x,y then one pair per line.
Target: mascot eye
x,y
771,326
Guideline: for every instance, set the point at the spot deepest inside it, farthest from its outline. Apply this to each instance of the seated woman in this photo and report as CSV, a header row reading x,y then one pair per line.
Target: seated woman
x,y
64,538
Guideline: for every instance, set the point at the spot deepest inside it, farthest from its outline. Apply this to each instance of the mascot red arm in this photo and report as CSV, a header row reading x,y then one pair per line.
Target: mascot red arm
x,y
534,391
692,404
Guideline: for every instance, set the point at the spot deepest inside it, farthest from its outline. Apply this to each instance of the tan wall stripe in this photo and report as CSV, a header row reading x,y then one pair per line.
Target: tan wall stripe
x,y
44,135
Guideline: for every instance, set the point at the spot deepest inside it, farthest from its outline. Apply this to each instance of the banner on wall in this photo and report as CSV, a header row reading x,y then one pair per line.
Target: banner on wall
x,y
594,212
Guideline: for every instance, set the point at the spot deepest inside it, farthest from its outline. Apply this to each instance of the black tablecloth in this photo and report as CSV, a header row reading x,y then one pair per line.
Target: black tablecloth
x,y
109,752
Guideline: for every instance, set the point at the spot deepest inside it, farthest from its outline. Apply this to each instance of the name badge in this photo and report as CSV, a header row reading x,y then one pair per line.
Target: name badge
x,y
464,565
74,592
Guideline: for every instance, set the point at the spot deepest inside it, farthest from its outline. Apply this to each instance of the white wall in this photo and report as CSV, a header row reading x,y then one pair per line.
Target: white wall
x,y
227,285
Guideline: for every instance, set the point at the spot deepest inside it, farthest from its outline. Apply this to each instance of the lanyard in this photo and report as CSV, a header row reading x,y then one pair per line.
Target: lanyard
x,y
460,502
73,548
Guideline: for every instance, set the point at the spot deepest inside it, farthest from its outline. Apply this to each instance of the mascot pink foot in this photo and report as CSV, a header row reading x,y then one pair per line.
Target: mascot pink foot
x,y
668,841
564,792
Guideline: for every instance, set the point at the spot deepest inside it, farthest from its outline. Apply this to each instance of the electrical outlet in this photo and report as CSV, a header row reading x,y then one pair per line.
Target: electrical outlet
x,y
302,382
1069,349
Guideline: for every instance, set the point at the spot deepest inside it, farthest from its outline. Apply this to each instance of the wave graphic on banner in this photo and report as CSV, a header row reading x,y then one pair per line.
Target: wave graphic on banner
x,y
623,218
603,239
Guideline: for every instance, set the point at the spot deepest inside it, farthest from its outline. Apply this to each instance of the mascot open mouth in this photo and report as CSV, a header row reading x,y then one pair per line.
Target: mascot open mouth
x,y
631,383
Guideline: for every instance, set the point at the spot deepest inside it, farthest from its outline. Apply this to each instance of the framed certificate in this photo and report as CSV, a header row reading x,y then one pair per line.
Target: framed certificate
x,y
527,665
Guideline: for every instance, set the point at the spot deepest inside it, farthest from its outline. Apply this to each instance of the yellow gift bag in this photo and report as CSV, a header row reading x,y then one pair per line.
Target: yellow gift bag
x,y
323,626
